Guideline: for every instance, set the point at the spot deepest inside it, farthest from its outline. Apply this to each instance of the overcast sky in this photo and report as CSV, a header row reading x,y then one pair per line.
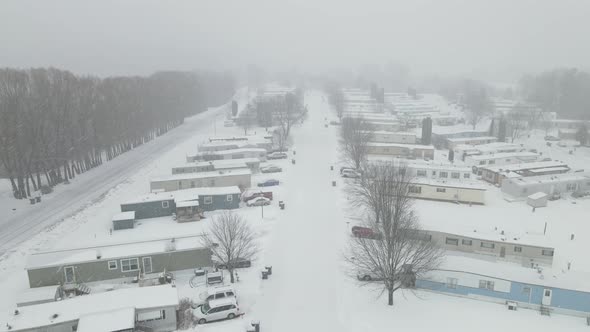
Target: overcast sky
x,y
107,37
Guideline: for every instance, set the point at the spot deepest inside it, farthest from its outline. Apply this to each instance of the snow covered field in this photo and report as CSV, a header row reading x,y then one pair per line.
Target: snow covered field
x,y
309,289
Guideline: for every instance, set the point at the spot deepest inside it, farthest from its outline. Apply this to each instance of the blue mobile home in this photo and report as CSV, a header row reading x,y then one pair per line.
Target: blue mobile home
x,y
532,290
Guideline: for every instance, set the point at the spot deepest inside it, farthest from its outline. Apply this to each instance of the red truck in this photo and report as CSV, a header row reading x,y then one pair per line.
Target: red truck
x,y
248,195
365,232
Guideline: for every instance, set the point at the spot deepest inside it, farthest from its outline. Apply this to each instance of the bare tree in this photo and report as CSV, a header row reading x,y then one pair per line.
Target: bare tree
x,y
478,104
355,134
246,119
290,113
517,123
230,239
399,251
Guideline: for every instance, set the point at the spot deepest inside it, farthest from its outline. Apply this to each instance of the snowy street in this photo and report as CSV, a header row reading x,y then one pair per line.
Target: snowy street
x,y
25,221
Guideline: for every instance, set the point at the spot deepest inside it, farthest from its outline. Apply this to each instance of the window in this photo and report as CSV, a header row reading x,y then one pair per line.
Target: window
x,y
547,292
466,242
421,173
415,189
112,265
547,252
508,160
517,249
147,264
451,241
165,204
571,186
443,175
467,175
483,162
208,200
130,264
491,162
441,190
455,175
151,316
526,290
452,283
433,173
488,245
180,184
192,184
486,284
229,198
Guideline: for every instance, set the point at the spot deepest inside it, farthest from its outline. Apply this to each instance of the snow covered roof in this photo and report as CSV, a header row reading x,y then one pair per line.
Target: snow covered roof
x,y
129,215
239,138
46,293
110,320
532,166
504,155
232,151
398,133
538,195
469,139
401,145
202,175
152,197
118,303
448,184
553,178
113,251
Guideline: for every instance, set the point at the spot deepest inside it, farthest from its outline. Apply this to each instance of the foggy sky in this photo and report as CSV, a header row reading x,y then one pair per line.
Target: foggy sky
x,y
114,37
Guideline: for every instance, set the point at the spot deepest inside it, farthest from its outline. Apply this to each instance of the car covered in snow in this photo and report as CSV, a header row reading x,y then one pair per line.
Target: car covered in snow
x,y
349,173
250,194
213,310
258,201
214,293
271,169
277,155
238,263
268,183
551,138
369,276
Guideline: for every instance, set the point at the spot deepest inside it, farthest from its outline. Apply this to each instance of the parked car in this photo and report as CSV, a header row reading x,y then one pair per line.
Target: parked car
x,y
228,123
334,123
551,138
369,276
277,155
349,173
268,183
562,144
214,293
215,278
365,232
271,169
258,201
248,195
225,308
238,263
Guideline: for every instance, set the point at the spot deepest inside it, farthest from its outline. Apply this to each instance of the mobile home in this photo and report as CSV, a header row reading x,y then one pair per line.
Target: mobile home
x,y
232,145
452,143
393,137
501,158
218,165
129,309
411,151
449,191
229,154
496,174
555,184
120,262
238,177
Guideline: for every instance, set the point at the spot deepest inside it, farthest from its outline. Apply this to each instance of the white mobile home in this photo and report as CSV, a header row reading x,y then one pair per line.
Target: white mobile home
x,y
496,174
449,191
393,137
253,164
452,143
501,158
410,151
462,151
130,309
232,145
238,177
229,154
440,171
556,184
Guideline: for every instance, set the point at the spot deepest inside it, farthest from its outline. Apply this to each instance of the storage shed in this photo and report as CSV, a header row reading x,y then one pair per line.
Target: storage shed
x,y
124,220
537,200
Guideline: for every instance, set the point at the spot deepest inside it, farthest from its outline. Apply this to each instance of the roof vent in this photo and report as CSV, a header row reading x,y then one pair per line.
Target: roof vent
x,y
16,312
54,316
98,254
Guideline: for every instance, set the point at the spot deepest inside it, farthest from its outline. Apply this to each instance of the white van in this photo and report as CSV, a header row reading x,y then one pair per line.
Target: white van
x,y
215,293
215,277
226,308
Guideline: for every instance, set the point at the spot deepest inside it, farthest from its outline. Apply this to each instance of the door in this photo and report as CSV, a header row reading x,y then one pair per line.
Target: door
x,y
503,252
69,274
147,264
547,296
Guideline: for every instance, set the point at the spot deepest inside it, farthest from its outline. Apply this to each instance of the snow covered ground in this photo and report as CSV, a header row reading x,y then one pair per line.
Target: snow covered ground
x,y
309,289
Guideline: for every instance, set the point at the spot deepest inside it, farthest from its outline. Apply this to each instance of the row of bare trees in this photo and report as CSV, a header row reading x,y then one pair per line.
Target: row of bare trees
x,y
55,125
355,135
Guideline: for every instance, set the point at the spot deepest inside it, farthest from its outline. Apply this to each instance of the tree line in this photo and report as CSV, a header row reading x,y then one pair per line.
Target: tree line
x,y
55,125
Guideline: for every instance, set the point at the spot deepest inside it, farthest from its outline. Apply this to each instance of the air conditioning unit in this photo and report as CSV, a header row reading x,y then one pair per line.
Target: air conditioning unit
x,y
512,305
